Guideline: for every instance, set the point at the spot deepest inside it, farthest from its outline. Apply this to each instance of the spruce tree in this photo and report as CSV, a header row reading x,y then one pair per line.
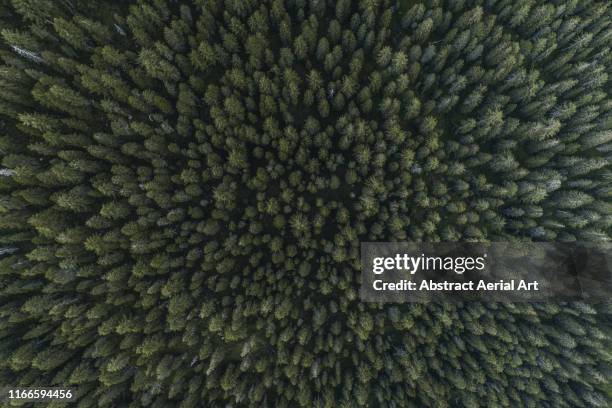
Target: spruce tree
x,y
184,186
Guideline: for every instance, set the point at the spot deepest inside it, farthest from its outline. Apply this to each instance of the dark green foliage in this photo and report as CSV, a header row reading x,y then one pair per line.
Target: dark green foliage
x,y
184,187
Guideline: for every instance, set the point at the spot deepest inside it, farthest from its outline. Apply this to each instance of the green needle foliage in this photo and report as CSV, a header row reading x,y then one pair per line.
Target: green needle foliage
x,y
185,184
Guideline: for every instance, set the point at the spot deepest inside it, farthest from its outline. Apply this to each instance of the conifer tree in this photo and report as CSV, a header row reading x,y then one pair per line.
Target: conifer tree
x,y
184,186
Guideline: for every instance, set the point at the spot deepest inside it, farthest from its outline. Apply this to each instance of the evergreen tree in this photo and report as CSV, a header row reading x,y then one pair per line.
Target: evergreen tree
x,y
184,186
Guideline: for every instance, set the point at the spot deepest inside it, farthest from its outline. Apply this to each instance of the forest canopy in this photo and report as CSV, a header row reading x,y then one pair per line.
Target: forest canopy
x,y
184,186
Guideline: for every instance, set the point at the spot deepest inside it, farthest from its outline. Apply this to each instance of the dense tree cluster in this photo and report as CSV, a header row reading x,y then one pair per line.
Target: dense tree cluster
x,y
184,186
